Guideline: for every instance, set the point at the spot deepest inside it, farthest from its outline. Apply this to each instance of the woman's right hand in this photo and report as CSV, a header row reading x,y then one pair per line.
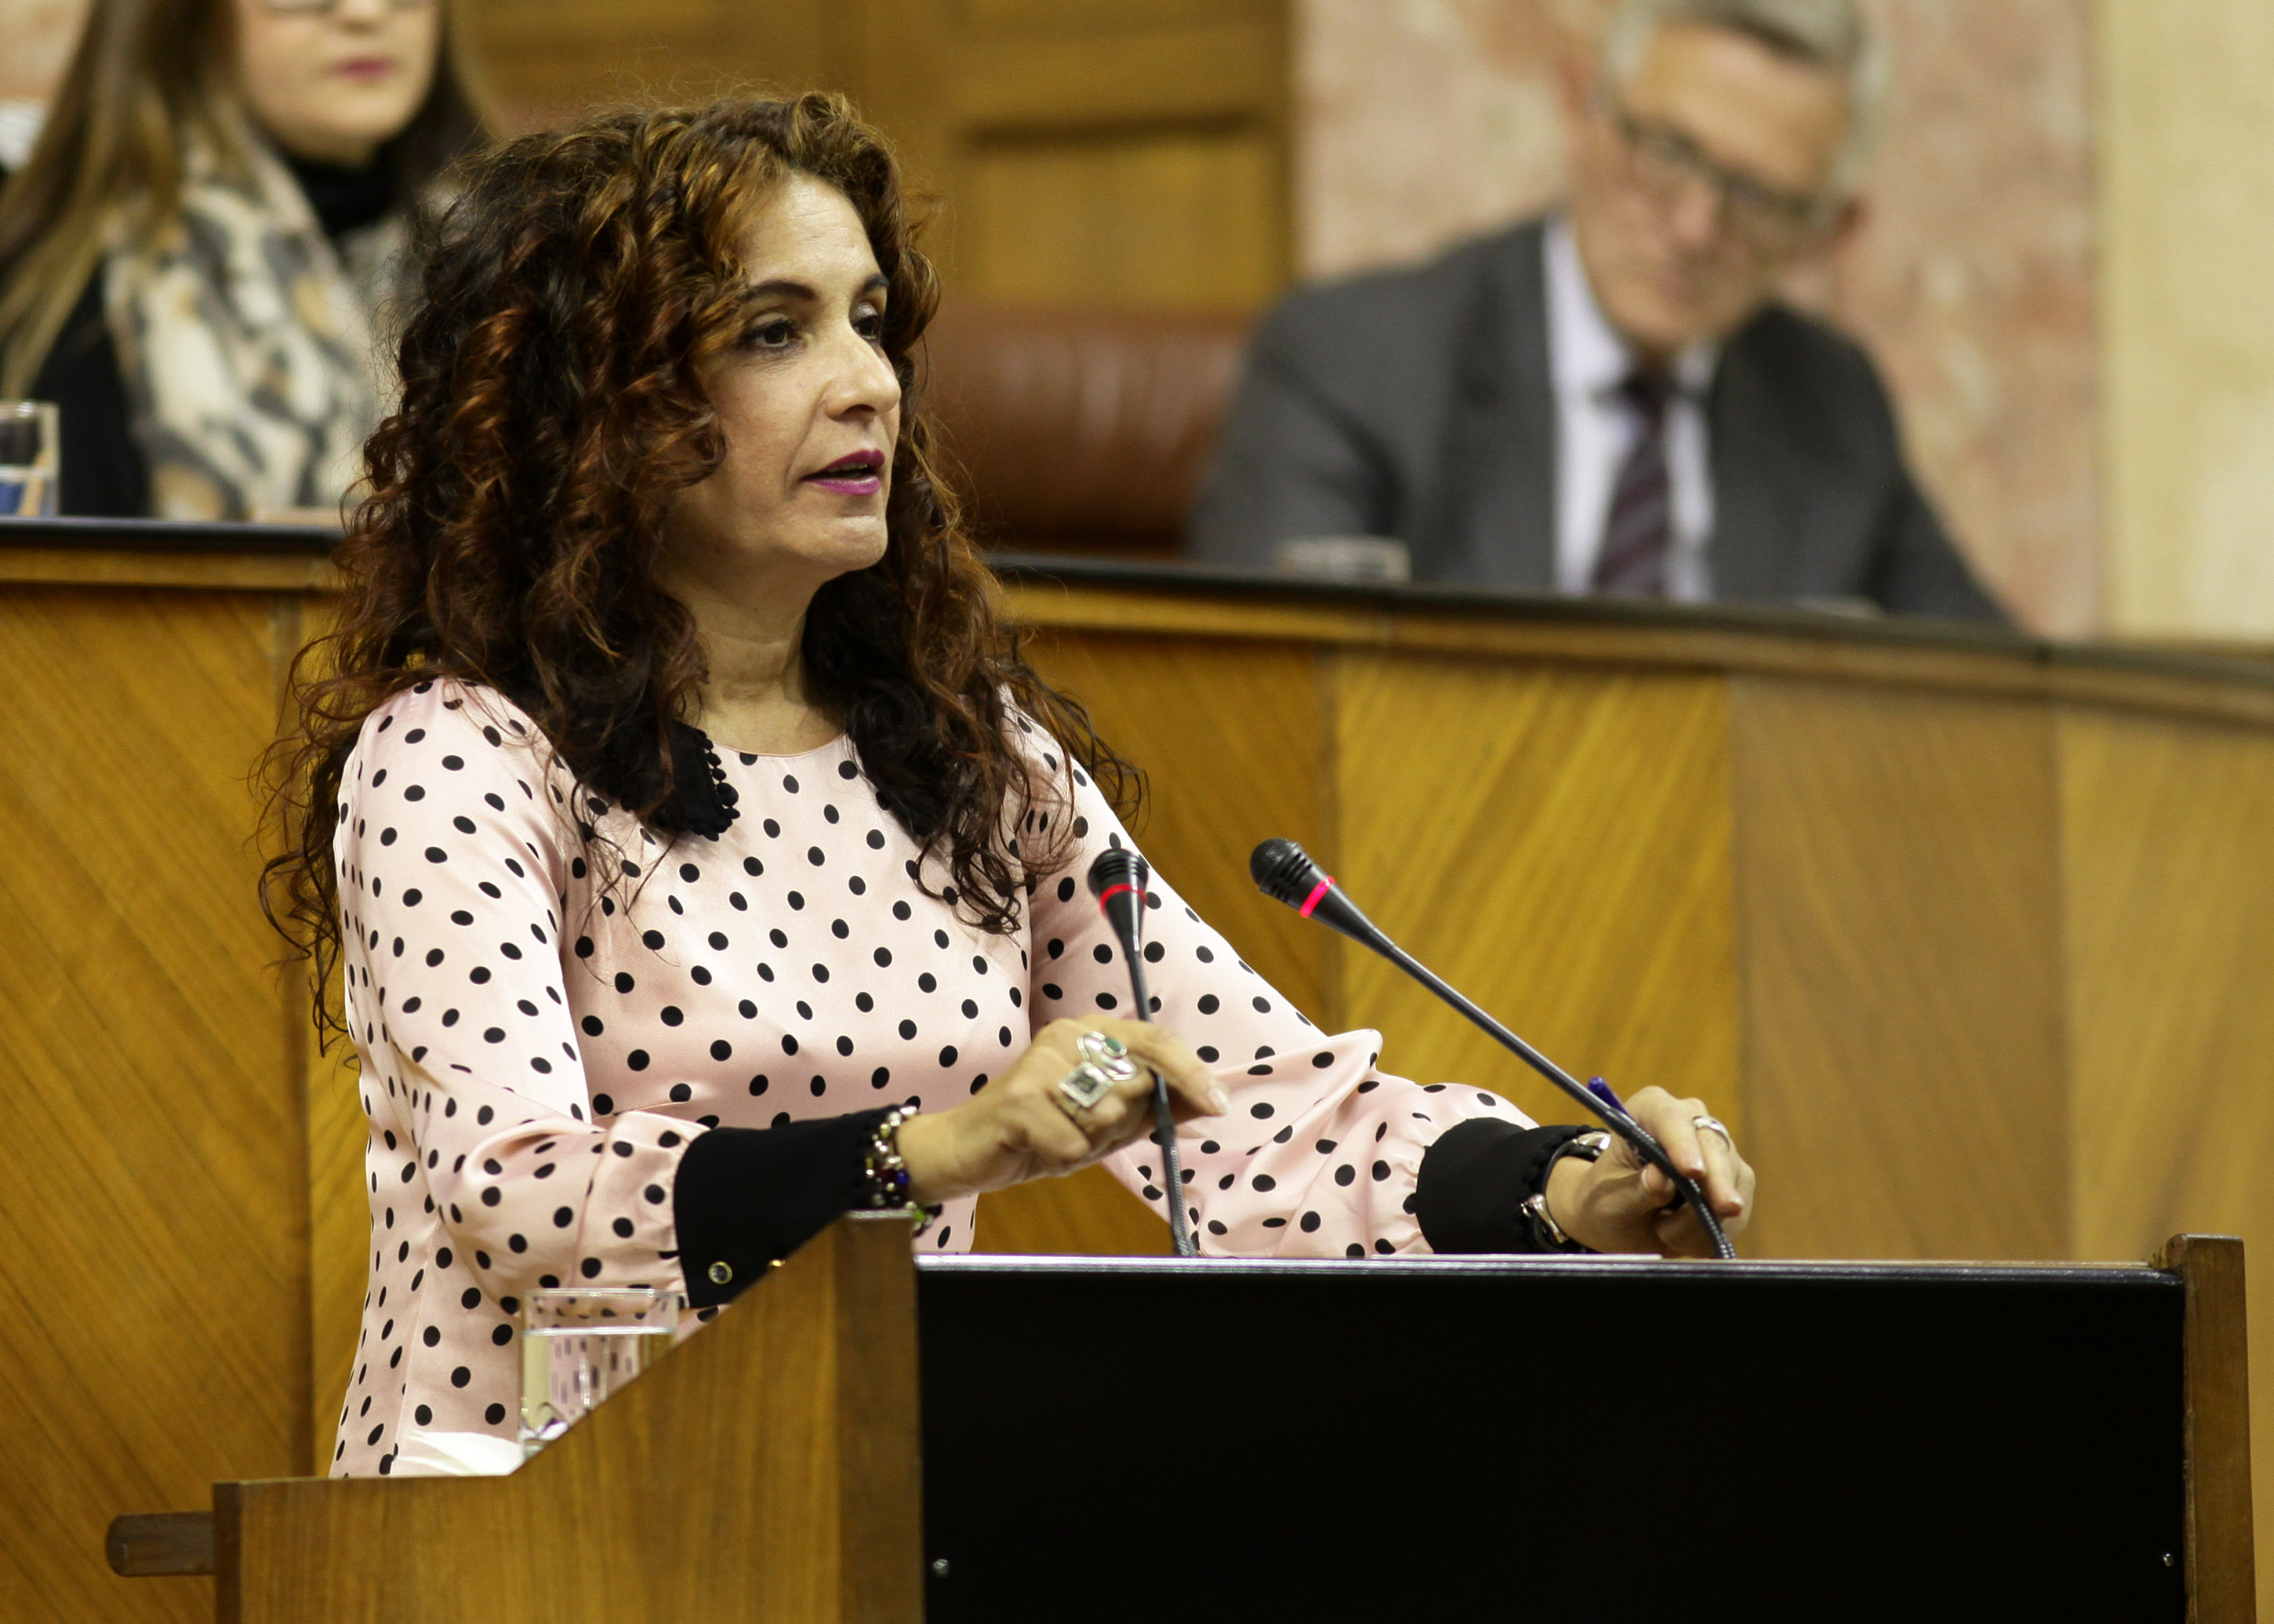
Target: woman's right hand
x,y
1020,1126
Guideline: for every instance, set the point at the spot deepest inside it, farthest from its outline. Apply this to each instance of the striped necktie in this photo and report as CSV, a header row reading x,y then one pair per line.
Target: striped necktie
x,y
1639,532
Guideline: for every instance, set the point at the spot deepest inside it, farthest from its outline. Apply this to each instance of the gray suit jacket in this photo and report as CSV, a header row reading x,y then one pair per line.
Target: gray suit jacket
x,y
1418,403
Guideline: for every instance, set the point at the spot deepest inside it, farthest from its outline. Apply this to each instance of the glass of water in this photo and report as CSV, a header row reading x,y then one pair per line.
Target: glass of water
x,y
577,1346
31,459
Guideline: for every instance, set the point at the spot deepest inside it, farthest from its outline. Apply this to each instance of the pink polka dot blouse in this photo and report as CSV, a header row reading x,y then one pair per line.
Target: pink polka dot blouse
x,y
538,1051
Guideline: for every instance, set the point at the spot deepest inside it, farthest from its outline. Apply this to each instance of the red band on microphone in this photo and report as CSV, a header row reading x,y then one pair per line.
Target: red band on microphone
x,y
1112,892
1316,896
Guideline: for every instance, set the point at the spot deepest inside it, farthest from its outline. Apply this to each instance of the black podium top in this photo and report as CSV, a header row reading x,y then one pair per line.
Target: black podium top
x,y
1551,1439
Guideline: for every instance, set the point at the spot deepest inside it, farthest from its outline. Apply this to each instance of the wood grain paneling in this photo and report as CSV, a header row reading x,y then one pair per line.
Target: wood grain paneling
x,y
339,1236
1124,154
1899,907
548,61
773,1476
1074,68
1168,218
1129,153
100,566
1087,1214
2170,875
339,1205
1230,739
1689,848
1556,844
156,1212
1722,639
2221,1579
2169,869
1088,18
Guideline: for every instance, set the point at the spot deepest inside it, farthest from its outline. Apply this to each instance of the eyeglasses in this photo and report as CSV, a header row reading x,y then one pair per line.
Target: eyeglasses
x,y
320,8
1665,163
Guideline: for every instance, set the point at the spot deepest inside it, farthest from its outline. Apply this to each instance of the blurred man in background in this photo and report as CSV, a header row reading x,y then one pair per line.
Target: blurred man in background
x,y
1611,400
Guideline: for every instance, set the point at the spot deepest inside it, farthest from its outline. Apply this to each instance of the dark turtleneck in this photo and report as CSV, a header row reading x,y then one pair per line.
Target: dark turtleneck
x,y
346,200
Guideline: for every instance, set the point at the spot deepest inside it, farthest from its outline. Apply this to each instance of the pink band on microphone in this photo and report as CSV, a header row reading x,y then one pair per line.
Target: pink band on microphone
x,y
1324,886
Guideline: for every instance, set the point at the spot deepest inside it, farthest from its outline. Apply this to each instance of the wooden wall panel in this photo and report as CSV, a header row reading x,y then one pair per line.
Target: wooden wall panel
x,y
1089,152
339,1236
1231,738
546,61
1166,218
1555,843
1704,856
2168,849
339,1207
1092,151
156,1209
1898,900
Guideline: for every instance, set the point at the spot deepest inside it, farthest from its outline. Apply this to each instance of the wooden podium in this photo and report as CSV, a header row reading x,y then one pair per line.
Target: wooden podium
x,y
767,1472
1118,1439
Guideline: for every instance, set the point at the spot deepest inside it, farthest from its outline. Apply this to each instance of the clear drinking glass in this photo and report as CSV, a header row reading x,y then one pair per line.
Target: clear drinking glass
x,y
31,459
577,1346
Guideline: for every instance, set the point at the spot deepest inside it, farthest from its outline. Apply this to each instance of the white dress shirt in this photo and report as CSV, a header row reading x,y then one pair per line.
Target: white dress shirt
x,y
1595,429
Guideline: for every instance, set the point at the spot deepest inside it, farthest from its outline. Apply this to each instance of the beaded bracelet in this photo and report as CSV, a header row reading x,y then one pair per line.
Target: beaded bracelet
x,y
886,1173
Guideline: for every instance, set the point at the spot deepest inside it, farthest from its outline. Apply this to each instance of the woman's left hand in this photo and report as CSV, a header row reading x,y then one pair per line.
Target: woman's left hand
x,y
1617,1203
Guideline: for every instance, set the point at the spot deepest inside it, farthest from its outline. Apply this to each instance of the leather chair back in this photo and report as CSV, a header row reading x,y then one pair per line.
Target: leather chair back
x,y
1079,431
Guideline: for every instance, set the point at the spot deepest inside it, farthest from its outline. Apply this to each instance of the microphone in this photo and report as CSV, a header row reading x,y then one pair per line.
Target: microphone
x,y
1118,880
1284,872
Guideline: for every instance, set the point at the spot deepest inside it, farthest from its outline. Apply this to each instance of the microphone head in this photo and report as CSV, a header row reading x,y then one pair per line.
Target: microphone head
x,y
1117,865
1117,879
1284,872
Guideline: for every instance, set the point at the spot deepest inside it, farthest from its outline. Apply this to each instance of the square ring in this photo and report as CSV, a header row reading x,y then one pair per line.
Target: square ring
x,y
1085,1086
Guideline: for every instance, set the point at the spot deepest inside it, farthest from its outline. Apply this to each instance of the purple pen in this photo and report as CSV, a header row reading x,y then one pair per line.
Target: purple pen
x,y
1601,1090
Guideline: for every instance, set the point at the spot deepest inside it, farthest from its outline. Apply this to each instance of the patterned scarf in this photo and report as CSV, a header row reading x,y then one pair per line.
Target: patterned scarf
x,y
246,343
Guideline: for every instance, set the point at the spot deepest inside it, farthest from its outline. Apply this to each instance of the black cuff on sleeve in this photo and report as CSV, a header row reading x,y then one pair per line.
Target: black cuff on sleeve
x,y
749,1197
1474,1181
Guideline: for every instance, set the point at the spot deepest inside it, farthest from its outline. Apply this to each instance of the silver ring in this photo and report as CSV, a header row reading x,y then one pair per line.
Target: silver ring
x,y
1105,1062
1107,1052
1713,1125
1084,1086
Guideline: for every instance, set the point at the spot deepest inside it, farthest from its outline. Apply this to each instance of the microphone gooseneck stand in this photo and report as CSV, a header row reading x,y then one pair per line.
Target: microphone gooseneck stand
x,y
1117,879
1284,872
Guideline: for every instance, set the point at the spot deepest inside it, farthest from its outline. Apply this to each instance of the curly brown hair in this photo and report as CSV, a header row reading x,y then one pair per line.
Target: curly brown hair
x,y
553,404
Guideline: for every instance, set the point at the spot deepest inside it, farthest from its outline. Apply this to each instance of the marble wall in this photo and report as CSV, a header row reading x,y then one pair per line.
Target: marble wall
x,y
2187,106
1424,120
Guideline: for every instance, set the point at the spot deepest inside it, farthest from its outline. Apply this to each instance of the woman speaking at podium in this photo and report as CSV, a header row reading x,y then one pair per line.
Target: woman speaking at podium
x,y
701,855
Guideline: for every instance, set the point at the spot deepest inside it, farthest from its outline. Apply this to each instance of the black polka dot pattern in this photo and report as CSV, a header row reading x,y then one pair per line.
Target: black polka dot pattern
x,y
553,1032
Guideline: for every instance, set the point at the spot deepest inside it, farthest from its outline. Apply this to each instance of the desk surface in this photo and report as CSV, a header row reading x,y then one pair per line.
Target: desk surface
x,y
1113,595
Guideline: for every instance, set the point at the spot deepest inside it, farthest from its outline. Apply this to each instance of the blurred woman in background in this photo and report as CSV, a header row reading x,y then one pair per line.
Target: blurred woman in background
x,y
193,257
